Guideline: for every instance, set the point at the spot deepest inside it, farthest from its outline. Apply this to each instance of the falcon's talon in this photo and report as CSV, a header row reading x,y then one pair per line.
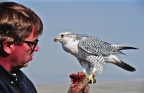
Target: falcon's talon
x,y
91,79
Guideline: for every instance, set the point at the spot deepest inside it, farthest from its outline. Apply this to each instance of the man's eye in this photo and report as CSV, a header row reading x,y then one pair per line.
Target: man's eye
x,y
31,45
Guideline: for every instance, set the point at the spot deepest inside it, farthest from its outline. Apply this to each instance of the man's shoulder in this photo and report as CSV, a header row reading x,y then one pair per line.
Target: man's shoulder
x,y
3,86
21,80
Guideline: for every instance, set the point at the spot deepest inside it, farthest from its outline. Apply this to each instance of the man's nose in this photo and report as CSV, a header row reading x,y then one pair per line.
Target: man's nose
x,y
36,48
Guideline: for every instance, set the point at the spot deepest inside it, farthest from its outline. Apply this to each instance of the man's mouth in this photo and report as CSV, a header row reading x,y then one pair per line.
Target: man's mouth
x,y
31,58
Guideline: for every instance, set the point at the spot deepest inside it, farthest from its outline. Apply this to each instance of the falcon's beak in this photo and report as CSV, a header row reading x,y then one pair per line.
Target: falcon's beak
x,y
56,39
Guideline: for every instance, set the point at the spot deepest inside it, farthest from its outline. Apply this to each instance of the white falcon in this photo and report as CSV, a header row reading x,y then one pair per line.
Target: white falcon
x,y
92,52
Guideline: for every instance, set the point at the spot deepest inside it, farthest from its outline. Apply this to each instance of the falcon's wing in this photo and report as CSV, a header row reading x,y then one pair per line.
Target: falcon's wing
x,y
94,45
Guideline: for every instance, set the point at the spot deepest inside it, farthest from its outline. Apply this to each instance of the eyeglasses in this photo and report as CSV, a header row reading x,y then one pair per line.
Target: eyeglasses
x,y
32,44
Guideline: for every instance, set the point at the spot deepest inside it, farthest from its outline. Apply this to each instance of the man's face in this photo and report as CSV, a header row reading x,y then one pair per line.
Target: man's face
x,y
24,53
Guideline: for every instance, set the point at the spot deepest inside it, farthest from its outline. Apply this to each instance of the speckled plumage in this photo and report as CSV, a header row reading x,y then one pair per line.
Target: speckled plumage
x,y
92,52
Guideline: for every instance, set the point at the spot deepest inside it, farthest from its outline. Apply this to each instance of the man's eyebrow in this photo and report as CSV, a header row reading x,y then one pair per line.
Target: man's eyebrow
x,y
33,40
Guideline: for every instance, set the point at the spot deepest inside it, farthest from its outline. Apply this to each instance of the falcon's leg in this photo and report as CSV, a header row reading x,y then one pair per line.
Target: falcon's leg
x,y
92,75
96,64
84,71
85,66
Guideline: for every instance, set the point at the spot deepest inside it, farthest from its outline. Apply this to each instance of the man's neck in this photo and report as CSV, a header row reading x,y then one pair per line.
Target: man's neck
x,y
5,64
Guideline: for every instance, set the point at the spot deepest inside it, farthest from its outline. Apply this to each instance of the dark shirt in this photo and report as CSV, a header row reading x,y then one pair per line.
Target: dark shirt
x,y
16,82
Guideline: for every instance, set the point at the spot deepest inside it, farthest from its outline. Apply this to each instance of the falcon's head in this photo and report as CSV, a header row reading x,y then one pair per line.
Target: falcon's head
x,y
65,37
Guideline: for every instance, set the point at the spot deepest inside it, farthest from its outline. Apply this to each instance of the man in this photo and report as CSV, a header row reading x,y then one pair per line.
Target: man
x,y
20,28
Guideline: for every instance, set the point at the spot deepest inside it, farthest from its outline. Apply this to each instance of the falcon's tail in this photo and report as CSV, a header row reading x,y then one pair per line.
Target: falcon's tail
x,y
115,60
125,66
125,47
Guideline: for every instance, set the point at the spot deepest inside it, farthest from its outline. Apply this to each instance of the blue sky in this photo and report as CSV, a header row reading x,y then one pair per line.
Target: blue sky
x,y
83,0
118,23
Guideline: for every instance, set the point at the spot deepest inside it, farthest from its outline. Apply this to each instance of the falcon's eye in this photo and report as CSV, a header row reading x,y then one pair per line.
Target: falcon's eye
x,y
62,35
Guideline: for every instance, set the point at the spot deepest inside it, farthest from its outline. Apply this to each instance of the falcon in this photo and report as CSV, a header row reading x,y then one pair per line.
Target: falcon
x,y
92,52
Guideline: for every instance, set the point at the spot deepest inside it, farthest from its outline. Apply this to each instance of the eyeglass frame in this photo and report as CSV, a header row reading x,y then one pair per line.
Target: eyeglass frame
x,y
32,44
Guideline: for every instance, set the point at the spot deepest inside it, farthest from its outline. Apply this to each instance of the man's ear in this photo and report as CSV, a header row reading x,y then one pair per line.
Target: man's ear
x,y
7,47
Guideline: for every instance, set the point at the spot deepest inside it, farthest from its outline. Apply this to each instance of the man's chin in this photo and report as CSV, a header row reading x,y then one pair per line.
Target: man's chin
x,y
25,65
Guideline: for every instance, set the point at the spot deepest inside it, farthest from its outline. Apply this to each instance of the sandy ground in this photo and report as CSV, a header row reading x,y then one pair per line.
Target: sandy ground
x,y
125,86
